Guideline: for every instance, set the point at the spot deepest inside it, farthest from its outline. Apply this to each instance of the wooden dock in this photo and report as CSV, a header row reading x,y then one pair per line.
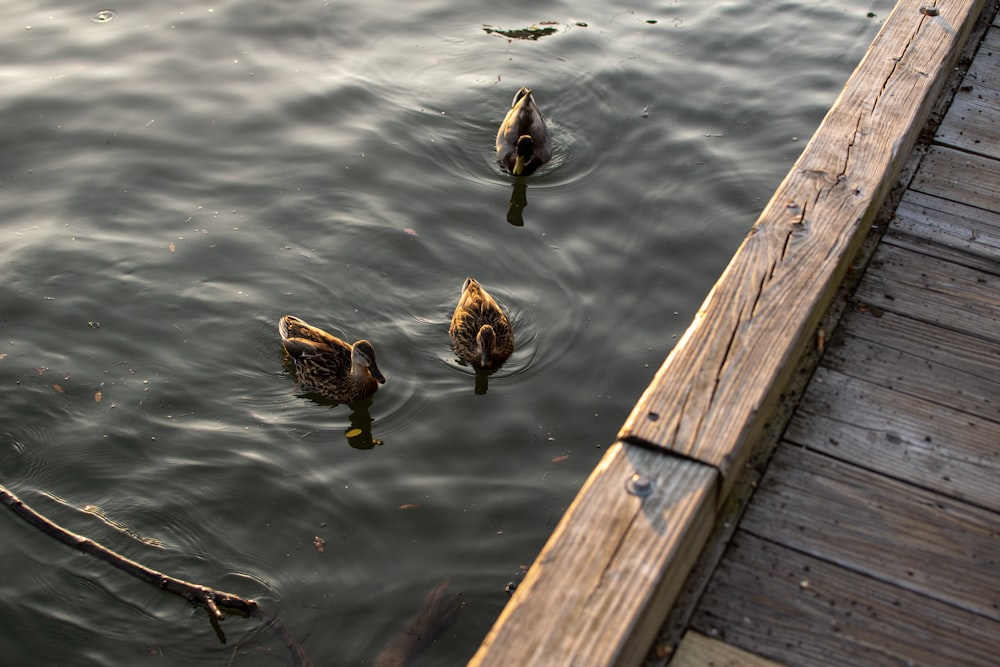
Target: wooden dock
x,y
813,476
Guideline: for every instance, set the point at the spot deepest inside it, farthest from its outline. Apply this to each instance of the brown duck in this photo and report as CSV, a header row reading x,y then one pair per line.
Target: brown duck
x,y
523,141
480,331
327,365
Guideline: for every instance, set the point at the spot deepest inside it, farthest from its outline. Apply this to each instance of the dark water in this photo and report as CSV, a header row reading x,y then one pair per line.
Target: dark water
x,y
176,176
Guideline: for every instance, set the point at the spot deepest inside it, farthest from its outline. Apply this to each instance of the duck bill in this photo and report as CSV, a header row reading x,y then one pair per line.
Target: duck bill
x,y
377,374
518,165
485,359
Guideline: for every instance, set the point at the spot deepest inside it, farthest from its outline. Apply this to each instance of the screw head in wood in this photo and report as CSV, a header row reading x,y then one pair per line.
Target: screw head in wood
x,y
639,485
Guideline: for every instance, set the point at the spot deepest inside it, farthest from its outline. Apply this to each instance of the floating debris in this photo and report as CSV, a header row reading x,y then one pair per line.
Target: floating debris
x,y
532,32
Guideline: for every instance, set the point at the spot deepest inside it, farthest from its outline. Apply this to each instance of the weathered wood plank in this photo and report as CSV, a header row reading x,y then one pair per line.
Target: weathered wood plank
x,y
607,576
951,452
973,120
974,355
947,230
713,394
959,176
889,530
932,290
977,101
787,606
697,650
913,374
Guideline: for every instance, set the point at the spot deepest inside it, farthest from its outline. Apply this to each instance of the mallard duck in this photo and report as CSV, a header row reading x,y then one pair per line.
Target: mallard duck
x,y
479,330
523,142
328,365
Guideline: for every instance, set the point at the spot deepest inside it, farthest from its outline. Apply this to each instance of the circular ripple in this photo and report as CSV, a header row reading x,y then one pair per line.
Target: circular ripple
x,y
104,16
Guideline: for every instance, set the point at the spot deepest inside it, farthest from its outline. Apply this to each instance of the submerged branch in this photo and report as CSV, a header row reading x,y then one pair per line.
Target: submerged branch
x,y
215,601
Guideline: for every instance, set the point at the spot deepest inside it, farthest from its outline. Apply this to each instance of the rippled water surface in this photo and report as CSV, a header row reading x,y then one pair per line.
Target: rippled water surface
x,y
177,176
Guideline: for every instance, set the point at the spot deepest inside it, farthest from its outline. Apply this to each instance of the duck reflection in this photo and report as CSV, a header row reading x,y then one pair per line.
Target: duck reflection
x,y
483,379
518,202
359,431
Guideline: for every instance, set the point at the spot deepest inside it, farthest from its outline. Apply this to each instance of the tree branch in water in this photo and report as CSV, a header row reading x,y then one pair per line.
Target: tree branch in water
x,y
215,601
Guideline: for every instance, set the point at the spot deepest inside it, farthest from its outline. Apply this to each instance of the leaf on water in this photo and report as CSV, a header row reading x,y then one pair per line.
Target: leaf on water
x,y
3,356
411,231
98,396
59,388
319,543
172,248
560,459
408,506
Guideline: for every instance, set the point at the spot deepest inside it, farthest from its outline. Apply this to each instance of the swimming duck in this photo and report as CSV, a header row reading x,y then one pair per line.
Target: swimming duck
x,y
328,365
479,330
523,142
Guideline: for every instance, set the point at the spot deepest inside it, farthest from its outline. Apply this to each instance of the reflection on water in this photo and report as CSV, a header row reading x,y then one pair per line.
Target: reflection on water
x,y
518,202
482,379
185,174
358,432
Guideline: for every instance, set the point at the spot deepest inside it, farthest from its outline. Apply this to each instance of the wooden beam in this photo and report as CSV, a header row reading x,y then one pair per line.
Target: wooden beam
x,y
714,393
603,583
611,569
697,650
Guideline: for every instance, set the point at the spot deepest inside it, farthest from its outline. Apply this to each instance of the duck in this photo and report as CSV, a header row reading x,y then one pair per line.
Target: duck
x,y
523,142
327,365
480,331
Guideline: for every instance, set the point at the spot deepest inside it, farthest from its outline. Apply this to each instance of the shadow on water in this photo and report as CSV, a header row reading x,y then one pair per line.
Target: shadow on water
x,y
359,429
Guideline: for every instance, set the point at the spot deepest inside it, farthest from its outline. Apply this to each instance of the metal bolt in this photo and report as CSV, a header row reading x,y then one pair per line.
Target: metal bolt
x,y
639,485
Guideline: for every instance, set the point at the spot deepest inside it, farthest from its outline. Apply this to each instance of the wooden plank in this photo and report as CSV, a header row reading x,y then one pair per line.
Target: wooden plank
x,y
887,529
603,583
973,120
959,176
932,290
947,230
697,650
913,374
712,396
794,608
976,356
951,452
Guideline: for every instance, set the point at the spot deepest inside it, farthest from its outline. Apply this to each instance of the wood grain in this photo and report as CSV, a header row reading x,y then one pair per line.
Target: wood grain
x,y
604,581
901,437
800,610
974,355
697,650
713,394
973,120
911,373
947,230
880,527
953,174
924,288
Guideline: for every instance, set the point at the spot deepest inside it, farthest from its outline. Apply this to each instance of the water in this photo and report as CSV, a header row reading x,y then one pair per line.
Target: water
x,y
177,176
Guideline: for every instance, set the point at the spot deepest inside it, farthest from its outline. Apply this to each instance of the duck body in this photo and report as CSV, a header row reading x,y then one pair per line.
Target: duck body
x,y
327,365
480,331
523,141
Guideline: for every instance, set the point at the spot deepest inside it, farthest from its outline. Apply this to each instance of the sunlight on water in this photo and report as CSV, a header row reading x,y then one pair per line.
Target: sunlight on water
x,y
179,176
